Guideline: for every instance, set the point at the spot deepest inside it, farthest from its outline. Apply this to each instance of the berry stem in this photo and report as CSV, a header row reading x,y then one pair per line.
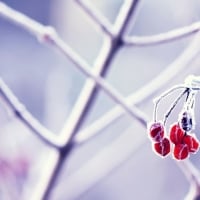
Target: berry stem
x,y
158,99
174,105
190,100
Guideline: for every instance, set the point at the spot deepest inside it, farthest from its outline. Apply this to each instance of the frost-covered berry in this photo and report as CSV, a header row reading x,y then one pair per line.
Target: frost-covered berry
x,y
176,134
181,151
163,147
156,131
192,143
186,121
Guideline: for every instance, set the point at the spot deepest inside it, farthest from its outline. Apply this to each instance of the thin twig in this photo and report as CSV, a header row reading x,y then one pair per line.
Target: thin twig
x,y
30,25
126,11
21,112
98,19
158,99
162,37
173,106
48,168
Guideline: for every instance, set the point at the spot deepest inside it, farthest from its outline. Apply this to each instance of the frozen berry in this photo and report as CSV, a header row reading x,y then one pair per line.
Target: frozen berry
x,y
176,134
162,147
181,151
186,121
156,131
192,143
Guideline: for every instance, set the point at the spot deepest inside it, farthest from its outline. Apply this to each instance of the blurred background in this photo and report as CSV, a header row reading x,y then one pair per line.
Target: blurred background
x,y
49,85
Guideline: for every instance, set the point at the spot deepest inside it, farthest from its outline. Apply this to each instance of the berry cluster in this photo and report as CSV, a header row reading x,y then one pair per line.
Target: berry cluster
x,y
180,140
161,144
184,142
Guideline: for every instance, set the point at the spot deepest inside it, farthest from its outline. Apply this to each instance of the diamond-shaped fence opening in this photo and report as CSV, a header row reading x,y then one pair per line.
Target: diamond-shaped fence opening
x,y
112,62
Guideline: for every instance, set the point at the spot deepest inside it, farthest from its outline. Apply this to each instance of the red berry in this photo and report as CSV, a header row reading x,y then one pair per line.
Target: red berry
x,y
176,134
192,143
156,131
181,151
162,147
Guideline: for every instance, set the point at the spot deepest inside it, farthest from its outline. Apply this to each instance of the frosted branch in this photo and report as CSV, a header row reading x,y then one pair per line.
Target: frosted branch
x,y
163,37
127,10
20,111
43,33
98,19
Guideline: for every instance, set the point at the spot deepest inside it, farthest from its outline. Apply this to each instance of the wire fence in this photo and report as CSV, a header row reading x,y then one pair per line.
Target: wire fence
x,y
71,135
